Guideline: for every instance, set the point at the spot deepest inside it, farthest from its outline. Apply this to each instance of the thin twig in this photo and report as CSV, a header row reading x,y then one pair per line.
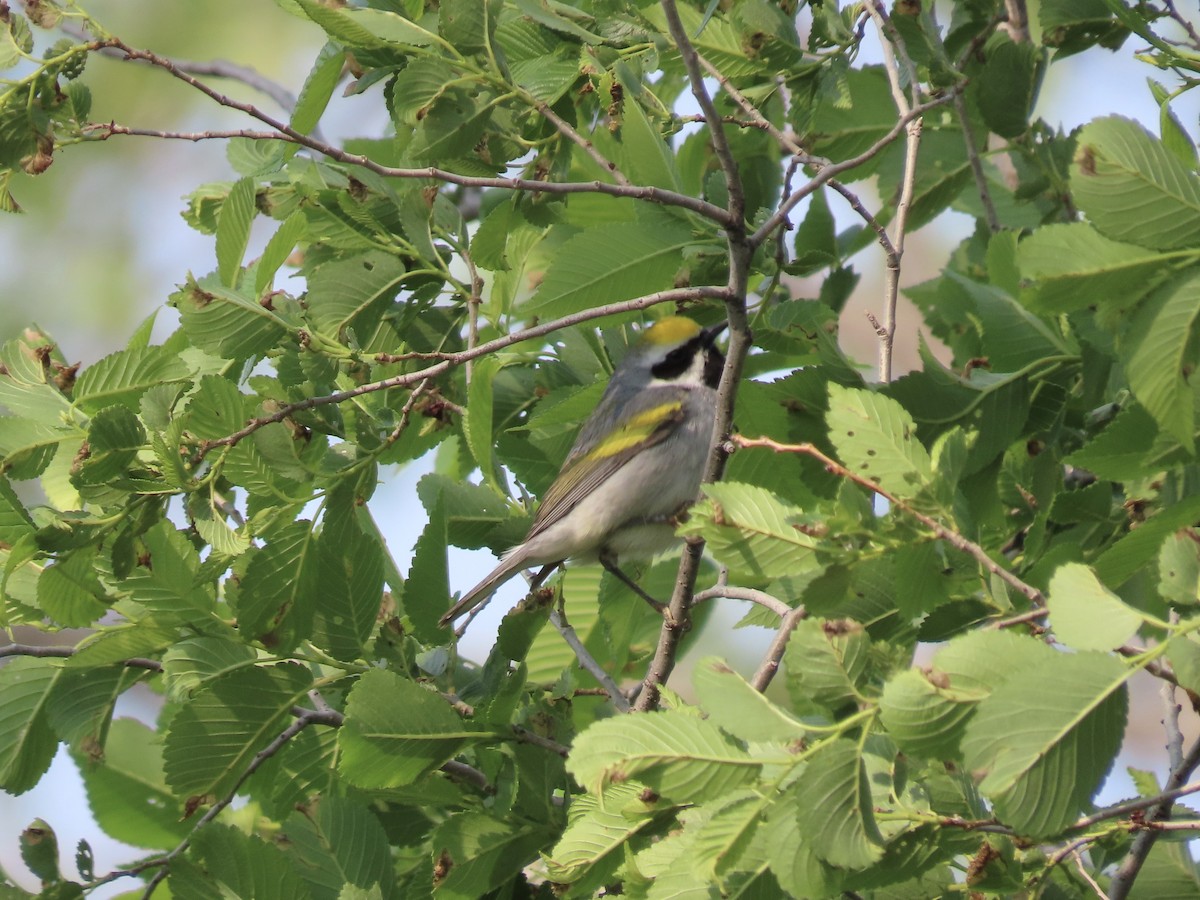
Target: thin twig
x,y
60,652
828,170
1121,810
981,184
717,137
956,540
216,68
102,131
558,619
260,757
770,664
790,145
639,192
1087,876
762,598
568,131
894,55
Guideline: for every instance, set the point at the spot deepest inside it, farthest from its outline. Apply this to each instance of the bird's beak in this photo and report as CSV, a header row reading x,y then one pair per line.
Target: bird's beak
x,y
710,334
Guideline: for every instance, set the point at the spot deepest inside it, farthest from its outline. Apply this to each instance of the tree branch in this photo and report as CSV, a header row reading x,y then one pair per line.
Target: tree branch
x,y
286,132
448,361
677,619
1127,872
956,540
893,50
558,619
770,664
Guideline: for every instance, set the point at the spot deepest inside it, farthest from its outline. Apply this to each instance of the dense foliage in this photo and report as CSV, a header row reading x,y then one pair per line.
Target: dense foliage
x,y
554,175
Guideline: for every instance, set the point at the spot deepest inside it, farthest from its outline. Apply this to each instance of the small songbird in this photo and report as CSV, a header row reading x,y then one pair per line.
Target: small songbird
x,y
635,466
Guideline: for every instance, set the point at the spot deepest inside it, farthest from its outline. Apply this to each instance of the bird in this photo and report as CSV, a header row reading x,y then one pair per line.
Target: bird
x,y
635,466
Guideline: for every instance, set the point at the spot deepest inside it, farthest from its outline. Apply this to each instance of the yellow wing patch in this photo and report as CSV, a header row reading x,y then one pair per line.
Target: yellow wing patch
x,y
671,330
638,429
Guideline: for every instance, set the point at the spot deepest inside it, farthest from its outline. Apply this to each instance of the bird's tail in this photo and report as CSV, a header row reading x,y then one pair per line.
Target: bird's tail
x,y
509,566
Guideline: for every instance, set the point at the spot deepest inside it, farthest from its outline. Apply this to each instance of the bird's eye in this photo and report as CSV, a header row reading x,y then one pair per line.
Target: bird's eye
x,y
674,363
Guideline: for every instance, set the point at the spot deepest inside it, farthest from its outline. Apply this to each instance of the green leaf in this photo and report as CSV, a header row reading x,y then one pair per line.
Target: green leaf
x,y
608,263
69,591
278,593
342,844
875,437
1132,188
237,865
1125,558
351,576
279,248
826,661
1074,266
738,708
1119,452
27,744
834,807
127,792
646,157
395,732
352,292
924,715
480,853
373,29
816,238
427,589
124,377
215,736
114,438
1085,614
680,756
224,322
310,106
1160,353
39,851
14,520
477,427
1007,84
1179,569
599,825
189,666
168,584
81,708
751,531
233,229
1045,752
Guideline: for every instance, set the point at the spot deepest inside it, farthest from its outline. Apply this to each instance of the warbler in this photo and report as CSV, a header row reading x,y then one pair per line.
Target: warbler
x,y
635,466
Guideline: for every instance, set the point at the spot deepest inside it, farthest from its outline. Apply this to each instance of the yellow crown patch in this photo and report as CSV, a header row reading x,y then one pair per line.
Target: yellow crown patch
x,y
671,330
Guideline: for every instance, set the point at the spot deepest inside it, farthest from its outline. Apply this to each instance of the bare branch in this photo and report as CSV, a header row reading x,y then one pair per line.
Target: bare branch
x,y
558,619
827,170
951,537
568,131
720,143
638,192
448,361
1127,872
893,50
677,619
1017,23
770,664
763,599
981,185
